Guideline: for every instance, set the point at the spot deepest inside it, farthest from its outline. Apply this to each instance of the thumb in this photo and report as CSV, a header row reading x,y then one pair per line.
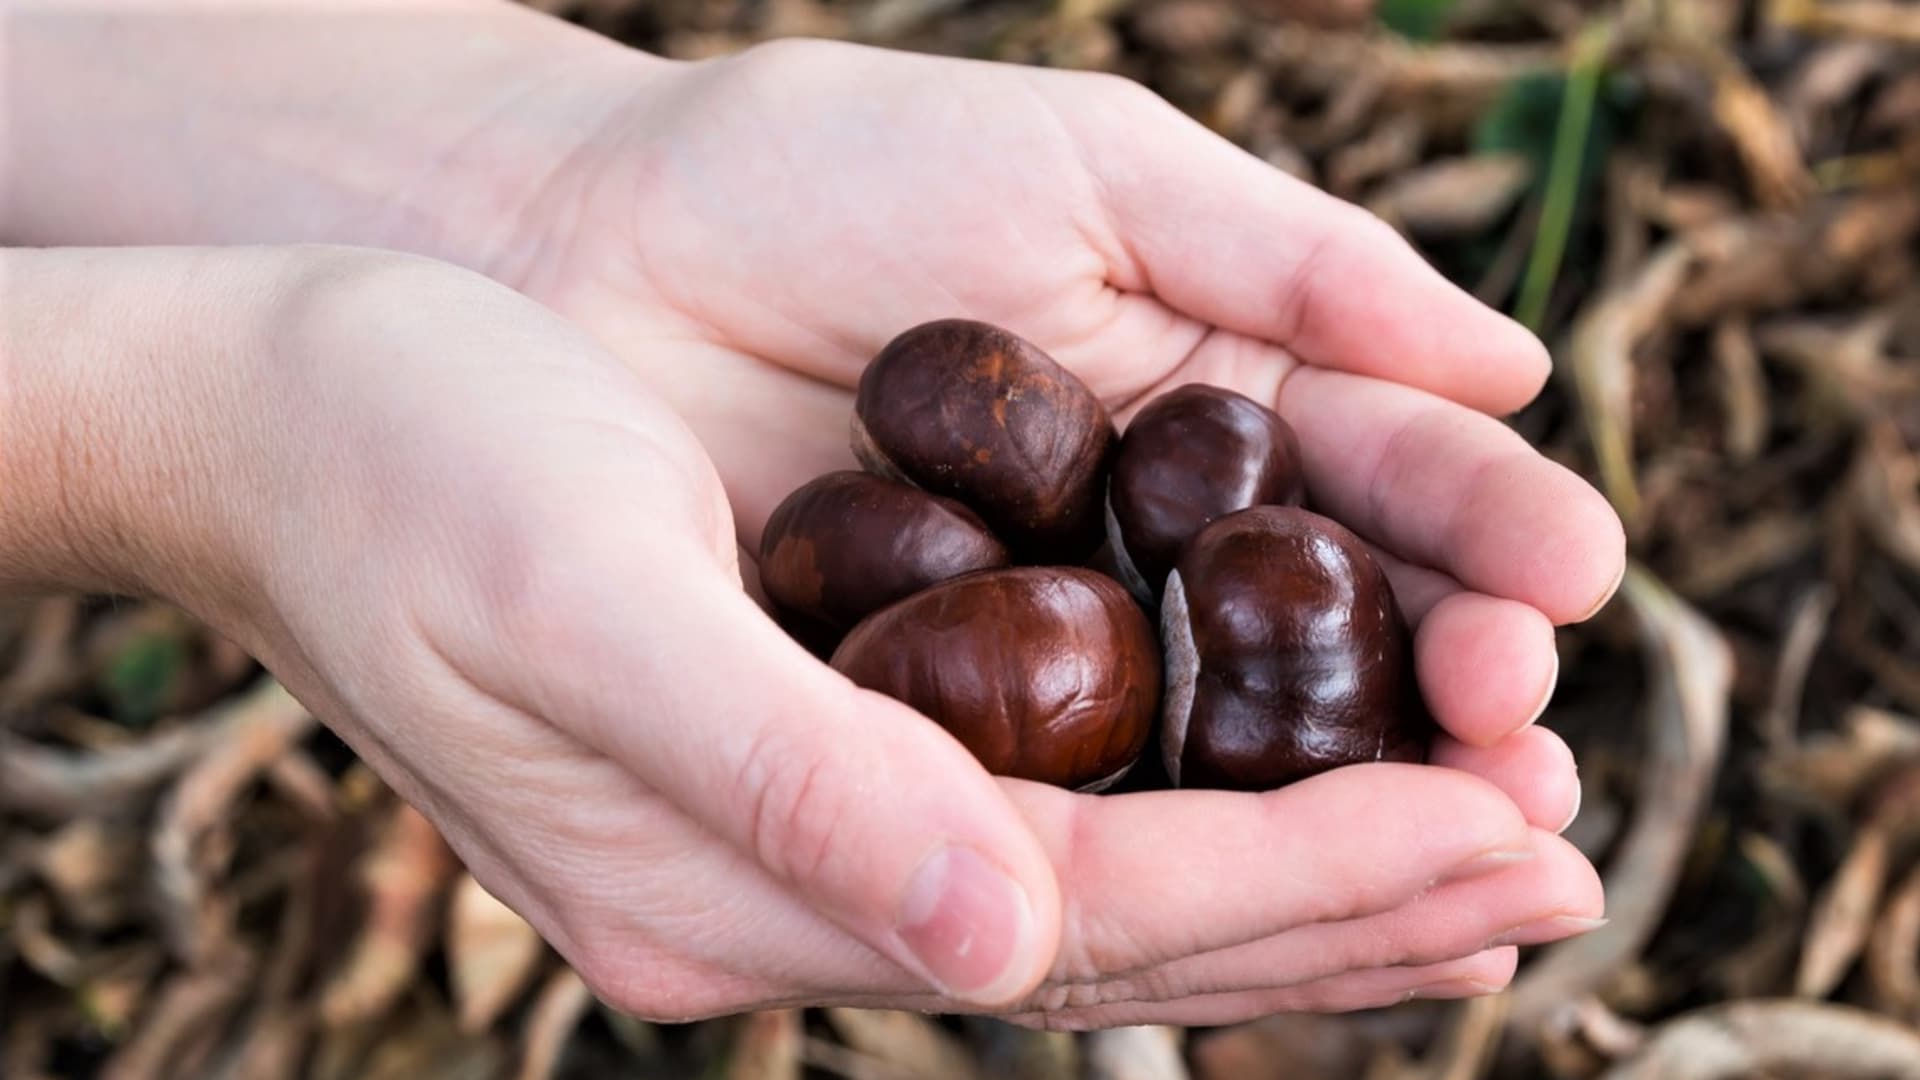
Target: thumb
x,y
868,810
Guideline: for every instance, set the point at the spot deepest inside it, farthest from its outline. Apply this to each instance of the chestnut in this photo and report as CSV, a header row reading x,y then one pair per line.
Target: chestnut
x,y
1194,454
1286,655
1043,673
976,413
847,544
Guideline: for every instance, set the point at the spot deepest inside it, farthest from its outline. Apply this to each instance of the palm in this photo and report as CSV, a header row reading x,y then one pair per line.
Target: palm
x,y
761,227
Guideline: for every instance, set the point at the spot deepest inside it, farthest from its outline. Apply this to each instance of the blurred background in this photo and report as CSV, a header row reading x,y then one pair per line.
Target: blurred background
x,y
1709,208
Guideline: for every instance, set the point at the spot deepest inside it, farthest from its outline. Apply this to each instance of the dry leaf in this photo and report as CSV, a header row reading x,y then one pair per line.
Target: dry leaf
x,y
492,954
402,876
1604,337
1690,675
1771,1038
1893,953
1135,1053
905,1042
768,1047
1843,916
1454,196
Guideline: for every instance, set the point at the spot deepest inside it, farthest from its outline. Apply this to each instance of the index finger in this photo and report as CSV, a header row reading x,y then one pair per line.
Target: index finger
x,y
1449,488
1222,236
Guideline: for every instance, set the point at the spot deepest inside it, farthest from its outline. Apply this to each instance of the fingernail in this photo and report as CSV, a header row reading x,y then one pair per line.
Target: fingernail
x,y
1485,863
966,921
1455,988
1605,597
1573,814
1546,696
1541,931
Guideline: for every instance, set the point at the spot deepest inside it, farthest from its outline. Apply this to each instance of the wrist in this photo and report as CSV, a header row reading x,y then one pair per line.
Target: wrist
x,y
450,128
122,376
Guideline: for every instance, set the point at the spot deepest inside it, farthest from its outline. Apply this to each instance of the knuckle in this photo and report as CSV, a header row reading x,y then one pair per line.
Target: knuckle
x,y
794,808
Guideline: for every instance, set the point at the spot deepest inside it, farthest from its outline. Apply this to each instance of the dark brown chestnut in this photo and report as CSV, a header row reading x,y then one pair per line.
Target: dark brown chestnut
x,y
1196,453
973,412
847,544
1286,655
1044,673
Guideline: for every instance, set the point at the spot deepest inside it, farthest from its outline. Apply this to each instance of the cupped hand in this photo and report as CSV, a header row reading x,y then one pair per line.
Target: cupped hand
x,y
488,555
745,233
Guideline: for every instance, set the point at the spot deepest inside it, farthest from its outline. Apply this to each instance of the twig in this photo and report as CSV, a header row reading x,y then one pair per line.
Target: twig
x,y
1690,672
1755,1038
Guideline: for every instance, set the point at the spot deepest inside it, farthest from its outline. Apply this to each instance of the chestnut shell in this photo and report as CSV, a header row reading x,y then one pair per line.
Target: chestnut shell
x,y
1043,673
844,545
976,413
1286,655
1193,455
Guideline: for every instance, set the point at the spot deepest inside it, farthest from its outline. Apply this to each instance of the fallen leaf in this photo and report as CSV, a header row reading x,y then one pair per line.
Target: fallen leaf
x,y
492,954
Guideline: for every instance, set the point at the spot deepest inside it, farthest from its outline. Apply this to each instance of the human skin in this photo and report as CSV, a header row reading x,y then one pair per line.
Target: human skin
x,y
415,512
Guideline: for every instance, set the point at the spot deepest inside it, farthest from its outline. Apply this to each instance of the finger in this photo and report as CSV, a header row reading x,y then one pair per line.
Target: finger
x,y
1484,973
1554,895
1533,767
1487,666
1462,493
702,697
1222,236
1146,870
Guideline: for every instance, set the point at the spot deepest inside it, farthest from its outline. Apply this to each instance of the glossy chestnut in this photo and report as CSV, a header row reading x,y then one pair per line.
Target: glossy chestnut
x,y
847,544
1286,655
1043,673
973,412
1194,454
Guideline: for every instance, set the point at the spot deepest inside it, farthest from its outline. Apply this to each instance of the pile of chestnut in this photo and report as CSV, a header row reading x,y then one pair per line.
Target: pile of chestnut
x,y
957,574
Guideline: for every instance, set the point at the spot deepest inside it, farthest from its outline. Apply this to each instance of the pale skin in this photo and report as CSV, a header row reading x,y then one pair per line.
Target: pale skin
x,y
497,539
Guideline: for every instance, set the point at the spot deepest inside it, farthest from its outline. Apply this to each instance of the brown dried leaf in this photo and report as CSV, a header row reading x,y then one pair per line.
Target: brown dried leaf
x,y
1690,677
1893,952
1602,348
55,785
190,840
49,662
1806,628
32,934
1466,1046
1187,26
1843,916
1763,963
1461,196
1391,147
1886,487
403,876
905,1042
1775,166
1743,390
1719,561
1301,1046
1769,1038
1836,767
189,1006
492,954
1847,363
1885,20
88,865
1135,1053
767,1047
557,1011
